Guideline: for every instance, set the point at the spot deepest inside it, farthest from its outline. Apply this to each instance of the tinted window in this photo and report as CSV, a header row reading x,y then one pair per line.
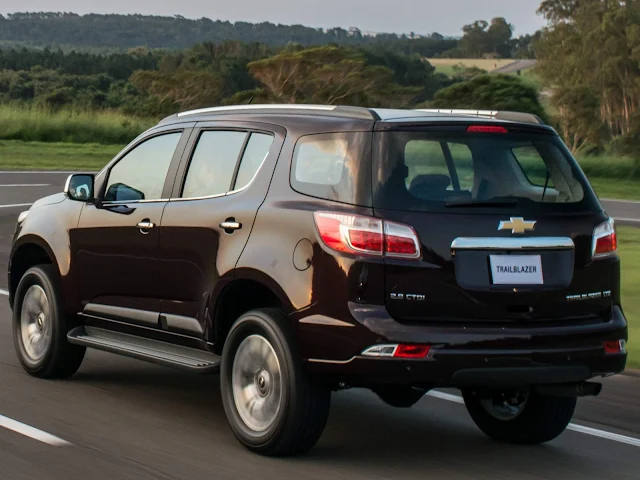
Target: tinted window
x,y
256,151
437,170
213,163
141,173
430,161
335,166
532,165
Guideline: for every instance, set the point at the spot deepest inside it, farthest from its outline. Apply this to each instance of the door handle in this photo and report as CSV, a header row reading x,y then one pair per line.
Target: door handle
x,y
145,225
230,225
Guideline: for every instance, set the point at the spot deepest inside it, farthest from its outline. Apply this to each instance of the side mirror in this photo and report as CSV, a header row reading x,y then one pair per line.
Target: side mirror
x,y
79,187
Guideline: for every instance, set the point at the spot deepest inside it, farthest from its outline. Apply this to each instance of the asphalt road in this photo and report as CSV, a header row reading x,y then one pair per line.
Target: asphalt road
x,y
123,419
515,66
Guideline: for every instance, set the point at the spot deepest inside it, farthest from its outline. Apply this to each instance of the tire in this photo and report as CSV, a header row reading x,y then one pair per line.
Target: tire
x,y
291,408
541,419
50,355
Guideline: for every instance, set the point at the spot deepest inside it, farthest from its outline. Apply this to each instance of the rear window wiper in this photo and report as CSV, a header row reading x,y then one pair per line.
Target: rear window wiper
x,y
482,203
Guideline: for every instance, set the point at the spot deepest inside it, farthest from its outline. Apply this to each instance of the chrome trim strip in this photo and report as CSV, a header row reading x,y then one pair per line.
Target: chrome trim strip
x,y
124,202
500,243
324,320
335,362
231,108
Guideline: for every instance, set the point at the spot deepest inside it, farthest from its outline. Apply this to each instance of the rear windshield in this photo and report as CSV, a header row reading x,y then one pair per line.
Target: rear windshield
x,y
417,170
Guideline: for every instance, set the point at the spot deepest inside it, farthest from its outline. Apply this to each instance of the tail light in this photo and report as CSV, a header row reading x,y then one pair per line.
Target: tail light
x,y
395,350
605,242
367,235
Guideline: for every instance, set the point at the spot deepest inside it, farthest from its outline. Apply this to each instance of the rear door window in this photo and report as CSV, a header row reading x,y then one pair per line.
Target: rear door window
x,y
213,163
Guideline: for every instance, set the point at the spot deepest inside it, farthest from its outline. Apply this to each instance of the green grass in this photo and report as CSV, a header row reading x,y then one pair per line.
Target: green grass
x,y
629,247
55,156
35,125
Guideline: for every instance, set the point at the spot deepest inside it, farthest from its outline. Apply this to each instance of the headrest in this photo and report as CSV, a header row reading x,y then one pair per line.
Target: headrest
x,y
430,182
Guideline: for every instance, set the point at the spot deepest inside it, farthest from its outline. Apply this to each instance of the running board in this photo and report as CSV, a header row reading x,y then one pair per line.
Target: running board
x,y
154,351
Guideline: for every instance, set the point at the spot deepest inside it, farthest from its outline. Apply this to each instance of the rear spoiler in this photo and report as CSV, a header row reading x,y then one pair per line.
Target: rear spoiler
x,y
498,115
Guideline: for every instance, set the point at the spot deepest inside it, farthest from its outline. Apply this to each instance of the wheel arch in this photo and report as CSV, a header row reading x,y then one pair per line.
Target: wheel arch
x,y
248,290
27,252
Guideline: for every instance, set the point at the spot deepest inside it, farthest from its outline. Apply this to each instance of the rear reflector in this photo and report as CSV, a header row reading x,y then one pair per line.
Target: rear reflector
x,y
486,129
359,234
605,241
614,347
398,351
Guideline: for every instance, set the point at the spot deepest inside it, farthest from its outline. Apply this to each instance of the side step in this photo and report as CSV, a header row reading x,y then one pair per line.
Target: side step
x,y
154,351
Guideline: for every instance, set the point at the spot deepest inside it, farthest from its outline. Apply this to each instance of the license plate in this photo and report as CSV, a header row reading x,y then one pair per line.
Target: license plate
x,y
516,269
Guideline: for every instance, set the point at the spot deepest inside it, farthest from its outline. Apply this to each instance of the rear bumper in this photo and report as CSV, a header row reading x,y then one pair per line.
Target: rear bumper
x,y
480,357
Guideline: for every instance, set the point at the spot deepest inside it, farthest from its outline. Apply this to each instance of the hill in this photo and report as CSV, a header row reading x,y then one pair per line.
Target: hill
x,y
95,31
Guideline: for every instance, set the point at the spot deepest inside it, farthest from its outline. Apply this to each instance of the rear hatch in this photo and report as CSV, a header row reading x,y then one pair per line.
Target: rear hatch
x,y
505,219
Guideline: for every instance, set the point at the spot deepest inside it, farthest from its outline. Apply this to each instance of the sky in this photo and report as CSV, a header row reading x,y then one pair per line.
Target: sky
x,y
399,16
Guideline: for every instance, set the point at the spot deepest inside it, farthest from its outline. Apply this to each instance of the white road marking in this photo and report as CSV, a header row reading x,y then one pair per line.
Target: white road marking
x,y
26,185
31,432
633,220
619,201
572,426
4,292
16,205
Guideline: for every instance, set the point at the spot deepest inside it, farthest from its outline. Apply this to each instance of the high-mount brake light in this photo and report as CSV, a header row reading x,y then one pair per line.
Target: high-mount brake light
x,y
360,234
486,129
395,350
605,241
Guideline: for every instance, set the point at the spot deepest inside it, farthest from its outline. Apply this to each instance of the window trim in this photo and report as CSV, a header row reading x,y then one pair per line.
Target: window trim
x,y
184,129
189,152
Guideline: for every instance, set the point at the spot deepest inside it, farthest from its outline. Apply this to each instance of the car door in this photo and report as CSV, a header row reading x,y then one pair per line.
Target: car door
x,y
115,246
224,177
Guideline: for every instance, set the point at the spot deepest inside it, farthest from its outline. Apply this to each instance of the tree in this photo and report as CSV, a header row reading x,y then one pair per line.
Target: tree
x,y
328,75
491,92
593,48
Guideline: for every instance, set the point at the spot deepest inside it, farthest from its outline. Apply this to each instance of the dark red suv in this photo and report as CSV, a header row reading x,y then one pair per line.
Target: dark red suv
x,y
298,250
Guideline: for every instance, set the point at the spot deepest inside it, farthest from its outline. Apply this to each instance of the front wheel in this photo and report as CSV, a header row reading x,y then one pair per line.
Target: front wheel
x,y
40,326
272,404
520,417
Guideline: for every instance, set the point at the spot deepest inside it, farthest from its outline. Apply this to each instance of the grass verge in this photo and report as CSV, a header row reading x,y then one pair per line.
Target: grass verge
x,y
16,155
629,249
35,125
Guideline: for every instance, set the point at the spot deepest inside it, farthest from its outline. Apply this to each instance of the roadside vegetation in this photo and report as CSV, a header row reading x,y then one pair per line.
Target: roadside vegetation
x,y
629,240
33,124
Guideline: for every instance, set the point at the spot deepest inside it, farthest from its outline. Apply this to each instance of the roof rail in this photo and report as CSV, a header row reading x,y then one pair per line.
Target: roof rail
x,y
498,115
338,110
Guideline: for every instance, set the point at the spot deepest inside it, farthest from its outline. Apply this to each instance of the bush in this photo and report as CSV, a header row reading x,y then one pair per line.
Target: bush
x,y
491,92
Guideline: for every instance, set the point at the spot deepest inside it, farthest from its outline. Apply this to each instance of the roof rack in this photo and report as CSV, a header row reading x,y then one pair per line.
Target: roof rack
x,y
498,115
334,110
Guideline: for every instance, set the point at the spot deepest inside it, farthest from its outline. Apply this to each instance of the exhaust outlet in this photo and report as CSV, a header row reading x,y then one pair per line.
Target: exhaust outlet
x,y
580,389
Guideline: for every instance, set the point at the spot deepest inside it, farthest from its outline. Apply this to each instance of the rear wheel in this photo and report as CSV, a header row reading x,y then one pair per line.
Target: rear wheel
x,y
521,417
40,326
273,406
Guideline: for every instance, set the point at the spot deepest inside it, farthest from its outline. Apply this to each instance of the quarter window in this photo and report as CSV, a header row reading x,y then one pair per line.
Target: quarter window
x,y
141,173
254,154
334,166
213,163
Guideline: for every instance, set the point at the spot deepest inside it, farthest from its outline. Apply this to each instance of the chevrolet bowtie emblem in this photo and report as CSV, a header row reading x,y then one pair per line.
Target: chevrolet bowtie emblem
x,y
517,225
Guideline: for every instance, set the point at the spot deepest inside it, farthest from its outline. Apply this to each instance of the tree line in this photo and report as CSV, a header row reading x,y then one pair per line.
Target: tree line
x,y
96,31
